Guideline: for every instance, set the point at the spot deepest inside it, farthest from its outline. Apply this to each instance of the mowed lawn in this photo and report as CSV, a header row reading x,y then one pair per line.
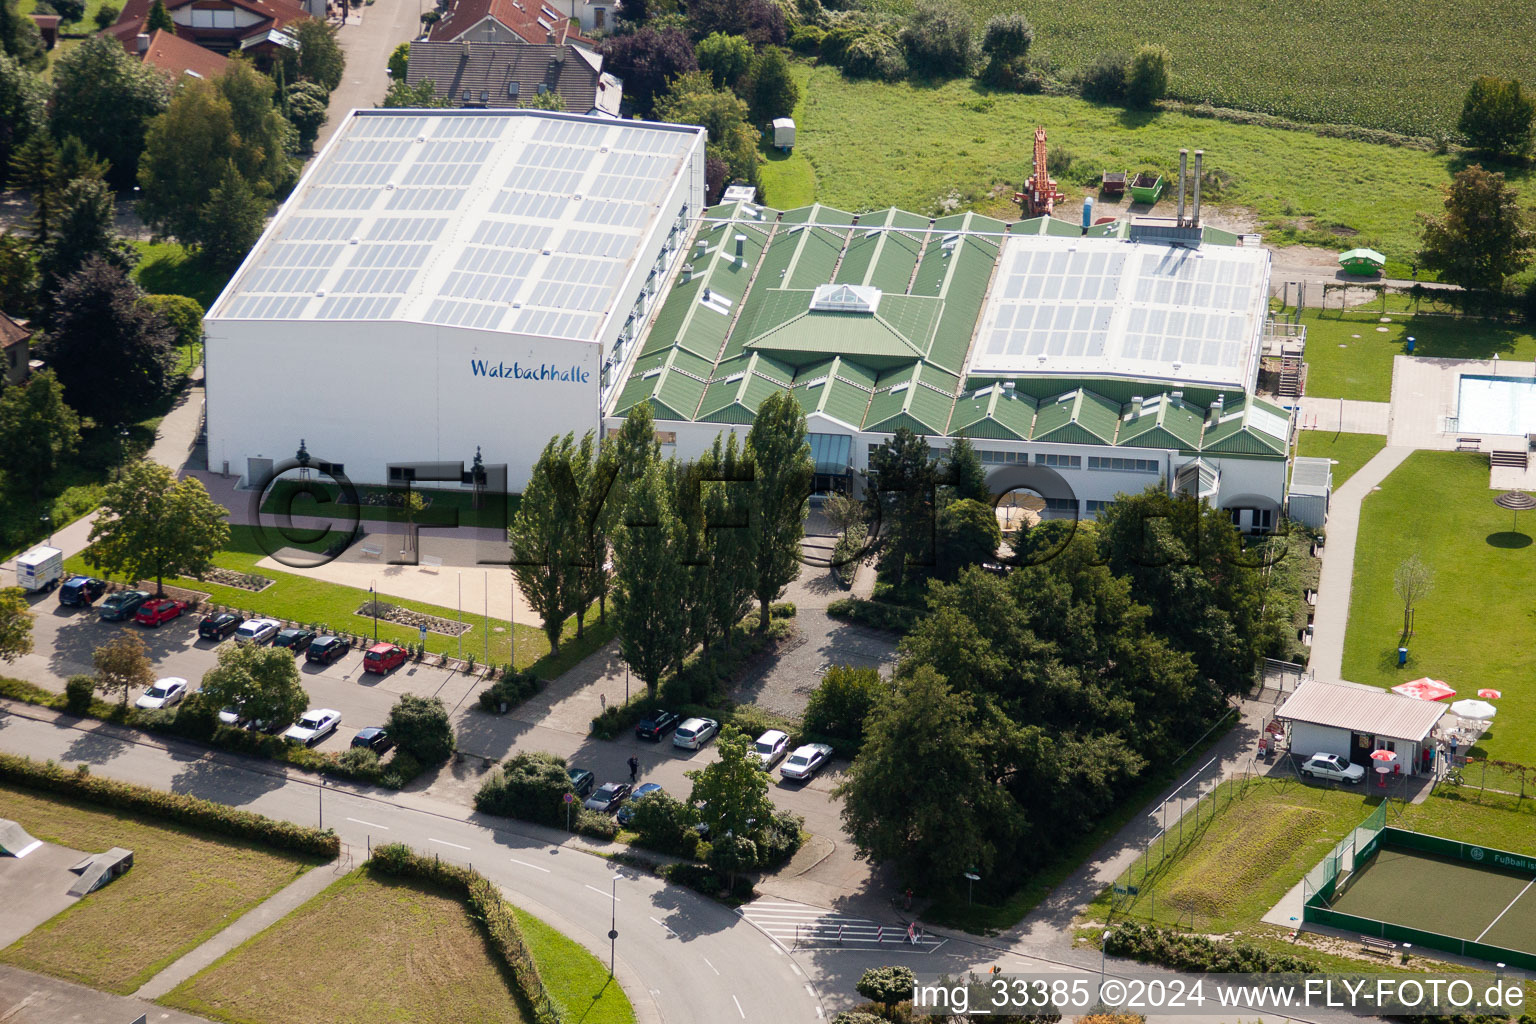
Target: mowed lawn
x,y
369,948
1403,66
875,145
184,887
1349,356
577,981
1348,451
1476,627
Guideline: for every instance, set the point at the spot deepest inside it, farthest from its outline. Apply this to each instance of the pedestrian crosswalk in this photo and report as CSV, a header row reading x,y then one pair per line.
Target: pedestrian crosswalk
x,y
799,926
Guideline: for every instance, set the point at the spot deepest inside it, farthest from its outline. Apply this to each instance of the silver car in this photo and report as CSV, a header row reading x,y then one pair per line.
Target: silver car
x,y
257,631
806,761
315,726
770,748
163,694
694,733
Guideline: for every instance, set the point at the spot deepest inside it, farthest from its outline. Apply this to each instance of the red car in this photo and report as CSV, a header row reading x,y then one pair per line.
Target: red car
x,y
157,610
383,657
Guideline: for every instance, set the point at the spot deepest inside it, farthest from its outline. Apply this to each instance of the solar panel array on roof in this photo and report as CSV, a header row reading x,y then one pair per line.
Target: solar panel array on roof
x,y
510,220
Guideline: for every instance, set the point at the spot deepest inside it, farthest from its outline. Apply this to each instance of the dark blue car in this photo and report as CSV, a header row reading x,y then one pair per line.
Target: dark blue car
x,y
80,591
643,790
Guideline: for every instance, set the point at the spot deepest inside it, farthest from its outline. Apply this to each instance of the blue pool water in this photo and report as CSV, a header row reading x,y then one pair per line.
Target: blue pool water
x,y
1496,405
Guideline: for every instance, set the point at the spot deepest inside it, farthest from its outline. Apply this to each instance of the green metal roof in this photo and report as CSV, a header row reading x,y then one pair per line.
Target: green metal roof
x,y
814,333
1077,417
1162,422
1248,426
994,412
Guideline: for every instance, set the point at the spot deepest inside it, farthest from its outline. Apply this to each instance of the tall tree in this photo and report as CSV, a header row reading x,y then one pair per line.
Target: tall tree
x,y
306,110
262,136
967,534
261,683
85,226
732,791
19,37
1498,117
111,351
649,580
1483,237
693,99
399,62
122,664
15,624
420,727
152,527
23,106
634,448
964,473
18,275
159,19
422,95
937,39
760,21
781,489
902,499
729,576
107,99
773,92
320,56
589,546
231,220
77,161
34,167
543,537
727,59
40,431
647,60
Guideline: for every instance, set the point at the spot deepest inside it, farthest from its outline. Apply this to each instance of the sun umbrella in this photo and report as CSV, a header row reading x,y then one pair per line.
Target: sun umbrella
x,y
1425,689
1383,755
1490,694
1480,710
1516,502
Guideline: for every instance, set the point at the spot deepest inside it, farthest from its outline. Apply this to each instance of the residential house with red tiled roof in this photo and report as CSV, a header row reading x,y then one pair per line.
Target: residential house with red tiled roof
x,y
15,350
506,21
254,28
177,56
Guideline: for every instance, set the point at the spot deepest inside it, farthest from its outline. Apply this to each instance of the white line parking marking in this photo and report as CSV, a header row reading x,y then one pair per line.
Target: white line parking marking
x,y
370,824
738,1007
444,842
605,892
525,864
710,965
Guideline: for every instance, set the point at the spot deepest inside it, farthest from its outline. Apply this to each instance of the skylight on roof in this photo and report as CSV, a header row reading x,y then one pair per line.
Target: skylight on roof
x,y
845,298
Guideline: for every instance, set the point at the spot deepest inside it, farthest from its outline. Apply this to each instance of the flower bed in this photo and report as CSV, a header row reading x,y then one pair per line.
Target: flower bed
x,y
407,617
242,580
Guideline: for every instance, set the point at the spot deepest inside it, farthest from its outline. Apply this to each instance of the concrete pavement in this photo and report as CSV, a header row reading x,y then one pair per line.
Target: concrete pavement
x,y
27,998
369,36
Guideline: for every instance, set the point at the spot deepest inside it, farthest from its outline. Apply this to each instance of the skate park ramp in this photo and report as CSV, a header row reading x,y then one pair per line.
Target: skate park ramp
x,y
14,841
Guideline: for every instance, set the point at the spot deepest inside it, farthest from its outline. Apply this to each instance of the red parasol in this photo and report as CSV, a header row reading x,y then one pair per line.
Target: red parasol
x,y
1383,755
1489,694
1425,689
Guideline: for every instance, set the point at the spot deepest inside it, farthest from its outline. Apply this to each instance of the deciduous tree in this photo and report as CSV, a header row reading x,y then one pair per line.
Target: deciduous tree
x,y
152,526
1146,77
1412,581
15,624
261,683
647,60
543,537
729,576
420,727
40,431
902,498
773,92
23,106
320,56
183,313
1498,117
782,469
937,39
649,580
760,21
693,99
421,95
842,702
1483,237
967,535
399,62
732,791
726,58
107,99
19,37
122,664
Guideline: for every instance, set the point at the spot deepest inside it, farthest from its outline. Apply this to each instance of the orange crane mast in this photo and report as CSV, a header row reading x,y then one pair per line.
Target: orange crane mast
x,y
1040,193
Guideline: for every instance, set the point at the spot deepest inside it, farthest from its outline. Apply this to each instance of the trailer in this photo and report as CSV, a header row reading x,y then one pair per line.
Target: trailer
x,y
41,568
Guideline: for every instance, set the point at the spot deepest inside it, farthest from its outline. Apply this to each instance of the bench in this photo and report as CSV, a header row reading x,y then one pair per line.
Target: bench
x,y
1469,444
430,563
1383,946
371,551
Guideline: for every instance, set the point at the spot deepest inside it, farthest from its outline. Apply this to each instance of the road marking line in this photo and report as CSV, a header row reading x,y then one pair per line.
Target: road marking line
x,y
810,990
775,947
665,927
370,824
605,892
738,1007
818,1013
444,842
710,965
525,864
792,965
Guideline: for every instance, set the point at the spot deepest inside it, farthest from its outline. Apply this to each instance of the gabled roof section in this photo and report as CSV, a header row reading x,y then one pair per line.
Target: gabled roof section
x,y
1162,421
918,397
1248,426
995,411
12,333
530,20
176,56
740,387
482,74
838,390
1077,417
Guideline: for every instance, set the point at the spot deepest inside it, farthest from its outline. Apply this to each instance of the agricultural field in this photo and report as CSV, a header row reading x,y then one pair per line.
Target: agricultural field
x,y
973,146
1403,67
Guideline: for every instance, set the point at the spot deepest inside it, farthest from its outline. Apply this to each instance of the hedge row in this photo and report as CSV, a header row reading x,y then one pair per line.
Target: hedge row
x,y
894,618
177,807
487,907
510,690
1197,953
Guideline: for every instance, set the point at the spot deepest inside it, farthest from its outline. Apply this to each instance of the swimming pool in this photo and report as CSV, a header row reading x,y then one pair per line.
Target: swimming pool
x,y
1496,405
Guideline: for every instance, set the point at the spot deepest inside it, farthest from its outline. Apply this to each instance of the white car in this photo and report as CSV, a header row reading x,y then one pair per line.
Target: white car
x,y
694,733
314,726
1332,766
806,761
770,748
163,694
257,631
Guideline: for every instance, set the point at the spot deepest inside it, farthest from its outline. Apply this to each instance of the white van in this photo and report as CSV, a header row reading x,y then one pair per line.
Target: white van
x,y
40,568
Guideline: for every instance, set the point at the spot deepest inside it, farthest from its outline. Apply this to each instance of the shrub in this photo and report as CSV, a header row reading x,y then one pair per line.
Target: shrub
x,y
858,1017
937,40
877,614
664,824
754,721
359,763
616,718
875,55
79,692
1146,79
178,807
530,786
511,689
1499,117
420,727
1007,37
886,985
1154,945
695,876
779,839
807,39
842,702
1103,81
400,770
595,824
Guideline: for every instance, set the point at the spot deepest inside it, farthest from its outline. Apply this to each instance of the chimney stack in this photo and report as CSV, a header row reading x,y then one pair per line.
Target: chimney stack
x,y
741,248
464,50
1195,215
1183,173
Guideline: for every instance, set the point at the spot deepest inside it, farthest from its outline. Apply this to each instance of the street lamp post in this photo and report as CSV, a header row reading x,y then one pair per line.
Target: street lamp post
x,y
461,616
971,878
373,600
613,924
48,519
320,792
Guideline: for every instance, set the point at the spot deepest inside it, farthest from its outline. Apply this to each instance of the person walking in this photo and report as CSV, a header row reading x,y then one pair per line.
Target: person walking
x,y
634,769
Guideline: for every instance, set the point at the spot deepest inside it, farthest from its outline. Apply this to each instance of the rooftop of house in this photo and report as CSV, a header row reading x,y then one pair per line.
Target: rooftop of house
x,y
12,333
533,21
480,74
177,56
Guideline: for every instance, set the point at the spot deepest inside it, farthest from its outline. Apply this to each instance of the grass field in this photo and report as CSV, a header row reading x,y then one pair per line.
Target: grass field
x,y
788,179
1445,896
1341,365
1404,67
491,514
165,268
958,137
369,948
301,599
1349,451
577,981
184,887
1475,628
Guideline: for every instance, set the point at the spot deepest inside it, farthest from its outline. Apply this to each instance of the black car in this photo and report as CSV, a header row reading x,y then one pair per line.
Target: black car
x,y
218,626
296,640
656,725
582,781
122,605
373,738
326,649
81,590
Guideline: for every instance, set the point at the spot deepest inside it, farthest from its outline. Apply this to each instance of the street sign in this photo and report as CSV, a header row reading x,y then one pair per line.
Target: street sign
x,y
974,878
421,632
569,798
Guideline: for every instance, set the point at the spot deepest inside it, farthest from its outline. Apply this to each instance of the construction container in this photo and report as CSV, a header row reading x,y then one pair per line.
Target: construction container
x,y
1113,183
1146,187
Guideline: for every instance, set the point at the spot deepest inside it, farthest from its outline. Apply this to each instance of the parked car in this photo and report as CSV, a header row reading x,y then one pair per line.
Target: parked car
x,y
81,591
608,797
257,631
218,626
163,694
770,748
642,791
1332,766
694,733
313,726
326,649
381,658
806,761
373,738
231,715
582,781
656,725
158,610
122,605
295,640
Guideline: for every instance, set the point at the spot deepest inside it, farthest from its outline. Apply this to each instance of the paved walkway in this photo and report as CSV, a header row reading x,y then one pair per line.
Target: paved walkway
x,y
367,39
1339,562
261,917
1341,414
27,998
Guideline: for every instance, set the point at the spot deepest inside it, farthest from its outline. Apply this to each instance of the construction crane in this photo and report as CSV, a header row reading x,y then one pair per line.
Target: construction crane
x,y
1040,193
